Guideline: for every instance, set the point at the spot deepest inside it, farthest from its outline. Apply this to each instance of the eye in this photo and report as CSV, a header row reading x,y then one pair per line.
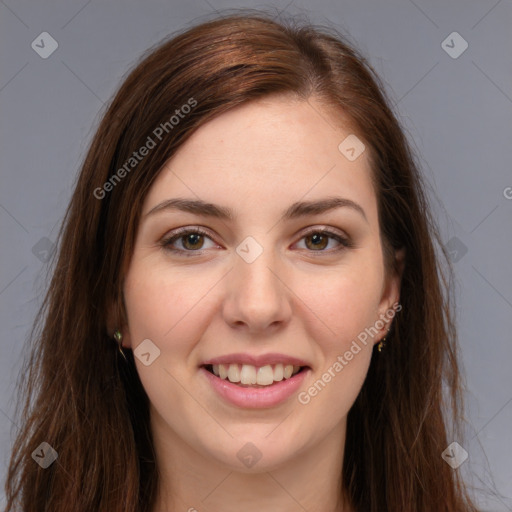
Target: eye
x,y
319,239
187,240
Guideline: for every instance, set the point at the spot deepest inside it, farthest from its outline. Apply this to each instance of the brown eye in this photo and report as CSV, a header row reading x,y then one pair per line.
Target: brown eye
x,y
187,241
316,241
193,241
323,241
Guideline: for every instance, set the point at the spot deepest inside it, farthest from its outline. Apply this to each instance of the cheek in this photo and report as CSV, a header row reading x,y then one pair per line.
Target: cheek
x,y
343,303
164,307
345,307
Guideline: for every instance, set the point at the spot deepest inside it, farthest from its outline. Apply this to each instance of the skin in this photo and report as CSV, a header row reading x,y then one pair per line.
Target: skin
x,y
293,299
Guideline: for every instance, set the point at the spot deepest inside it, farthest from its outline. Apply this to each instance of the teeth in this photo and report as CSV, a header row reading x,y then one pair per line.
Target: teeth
x,y
278,372
288,370
265,376
248,375
223,371
233,373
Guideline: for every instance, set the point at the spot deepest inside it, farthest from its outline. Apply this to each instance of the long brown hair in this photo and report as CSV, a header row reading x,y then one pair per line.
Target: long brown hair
x,y
85,401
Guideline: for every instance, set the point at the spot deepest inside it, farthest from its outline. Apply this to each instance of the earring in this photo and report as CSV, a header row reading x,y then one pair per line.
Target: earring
x,y
382,342
119,338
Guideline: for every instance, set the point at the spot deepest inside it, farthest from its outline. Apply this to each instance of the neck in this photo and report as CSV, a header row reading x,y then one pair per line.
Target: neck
x,y
192,481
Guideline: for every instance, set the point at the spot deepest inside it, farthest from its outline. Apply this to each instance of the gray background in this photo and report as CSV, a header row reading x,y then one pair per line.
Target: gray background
x,y
457,111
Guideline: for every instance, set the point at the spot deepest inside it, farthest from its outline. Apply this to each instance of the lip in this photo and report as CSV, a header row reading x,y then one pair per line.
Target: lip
x,y
262,360
255,398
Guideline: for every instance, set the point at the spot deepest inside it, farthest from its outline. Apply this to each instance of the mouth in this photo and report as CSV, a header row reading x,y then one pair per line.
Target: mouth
x,y
263,385
248,375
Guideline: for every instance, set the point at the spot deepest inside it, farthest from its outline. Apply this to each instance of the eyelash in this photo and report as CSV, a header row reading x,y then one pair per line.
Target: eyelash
x,y
166,243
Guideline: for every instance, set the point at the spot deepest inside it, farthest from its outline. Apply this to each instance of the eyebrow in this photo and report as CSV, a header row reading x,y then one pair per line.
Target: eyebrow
x,y
295,211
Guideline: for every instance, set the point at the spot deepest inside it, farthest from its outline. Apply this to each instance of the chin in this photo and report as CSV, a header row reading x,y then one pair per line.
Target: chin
x,y
258,453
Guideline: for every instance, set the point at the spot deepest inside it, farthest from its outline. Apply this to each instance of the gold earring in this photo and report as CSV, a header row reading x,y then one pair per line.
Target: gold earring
x,y
119,338
382,342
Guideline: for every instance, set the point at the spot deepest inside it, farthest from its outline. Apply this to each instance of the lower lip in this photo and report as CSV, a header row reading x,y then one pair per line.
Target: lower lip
x,y
256,398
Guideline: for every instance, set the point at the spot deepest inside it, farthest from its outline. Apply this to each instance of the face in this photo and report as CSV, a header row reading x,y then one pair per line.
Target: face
x,y
270,263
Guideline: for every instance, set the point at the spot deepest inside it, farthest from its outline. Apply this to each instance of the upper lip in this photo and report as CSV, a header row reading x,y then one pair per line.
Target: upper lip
x,y
256,360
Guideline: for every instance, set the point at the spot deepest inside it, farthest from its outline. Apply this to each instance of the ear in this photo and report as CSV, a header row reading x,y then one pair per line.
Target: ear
x,y
391,293
116,321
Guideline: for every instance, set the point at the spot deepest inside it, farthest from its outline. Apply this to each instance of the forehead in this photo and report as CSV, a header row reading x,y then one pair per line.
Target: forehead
x,y
276,150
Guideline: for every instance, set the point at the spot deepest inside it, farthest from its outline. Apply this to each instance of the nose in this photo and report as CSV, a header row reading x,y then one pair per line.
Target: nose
x,y
257,298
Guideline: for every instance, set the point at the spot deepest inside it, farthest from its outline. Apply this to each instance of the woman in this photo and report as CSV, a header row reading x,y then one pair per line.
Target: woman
x,y
247,310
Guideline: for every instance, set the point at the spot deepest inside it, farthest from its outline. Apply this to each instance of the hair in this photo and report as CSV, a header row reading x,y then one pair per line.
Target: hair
x,y
87,402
